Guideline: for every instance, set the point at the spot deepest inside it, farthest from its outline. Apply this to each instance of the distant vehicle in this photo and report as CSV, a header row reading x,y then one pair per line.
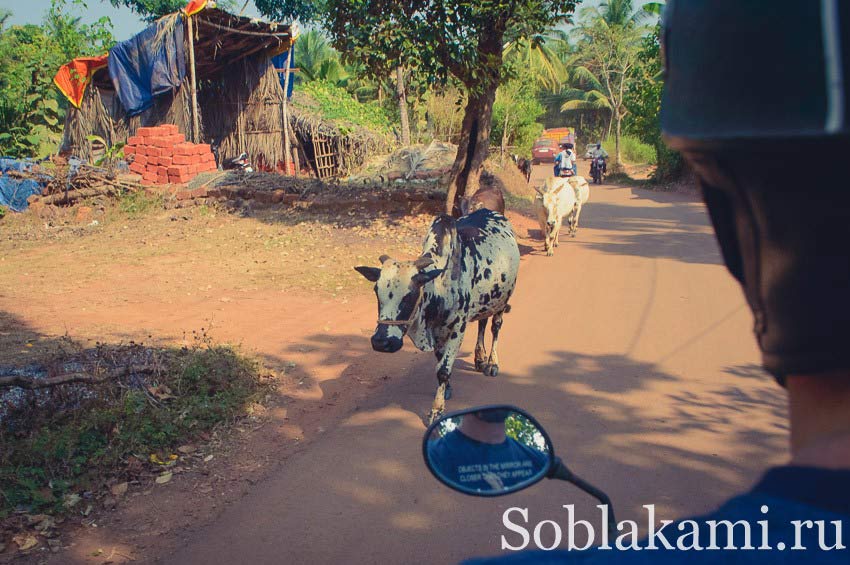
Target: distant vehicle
x,y
544,151
590,150
559,135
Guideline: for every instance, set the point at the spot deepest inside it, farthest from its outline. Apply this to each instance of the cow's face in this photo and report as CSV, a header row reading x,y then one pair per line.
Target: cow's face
x,y
550,204
398,286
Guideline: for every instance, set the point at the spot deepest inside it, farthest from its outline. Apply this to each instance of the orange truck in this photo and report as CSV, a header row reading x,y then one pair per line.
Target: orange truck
x,y
560,135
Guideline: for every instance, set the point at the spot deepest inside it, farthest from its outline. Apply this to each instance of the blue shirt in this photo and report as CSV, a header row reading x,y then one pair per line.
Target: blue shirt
x,y
788,493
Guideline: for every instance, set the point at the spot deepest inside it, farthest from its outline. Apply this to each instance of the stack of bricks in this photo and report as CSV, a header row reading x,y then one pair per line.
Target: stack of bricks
x,y
162,156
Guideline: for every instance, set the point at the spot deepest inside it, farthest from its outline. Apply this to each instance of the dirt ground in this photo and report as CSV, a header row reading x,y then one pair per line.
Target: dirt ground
x,y
327,471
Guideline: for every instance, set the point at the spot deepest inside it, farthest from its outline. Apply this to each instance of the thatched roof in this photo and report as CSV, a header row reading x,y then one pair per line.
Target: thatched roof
x,y
222,39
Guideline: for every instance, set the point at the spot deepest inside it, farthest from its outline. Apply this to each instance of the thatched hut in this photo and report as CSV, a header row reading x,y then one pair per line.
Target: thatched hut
x,y
231,94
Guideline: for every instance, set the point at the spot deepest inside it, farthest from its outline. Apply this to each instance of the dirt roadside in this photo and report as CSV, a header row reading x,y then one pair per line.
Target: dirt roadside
x,y
276,281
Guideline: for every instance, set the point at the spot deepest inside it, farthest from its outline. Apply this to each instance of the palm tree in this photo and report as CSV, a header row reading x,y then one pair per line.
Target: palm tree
x,y
622,12
585,93
539,54
317,60
607,55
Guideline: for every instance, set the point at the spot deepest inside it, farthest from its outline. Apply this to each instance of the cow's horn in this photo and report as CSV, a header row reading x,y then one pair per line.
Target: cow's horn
x,y
423,262
383,259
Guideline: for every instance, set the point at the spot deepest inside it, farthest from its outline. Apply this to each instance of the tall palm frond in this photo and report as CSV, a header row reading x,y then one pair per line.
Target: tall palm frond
x,y
540,54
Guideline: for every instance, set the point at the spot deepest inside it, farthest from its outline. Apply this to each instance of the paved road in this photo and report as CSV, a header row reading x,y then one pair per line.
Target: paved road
x,y
633,347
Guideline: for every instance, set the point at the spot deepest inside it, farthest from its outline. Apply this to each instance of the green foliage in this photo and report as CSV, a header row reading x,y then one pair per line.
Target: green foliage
x,y
643,100
337,105
31,109
317,60
515,114
52,453
634,150
111,155
137,204
151,9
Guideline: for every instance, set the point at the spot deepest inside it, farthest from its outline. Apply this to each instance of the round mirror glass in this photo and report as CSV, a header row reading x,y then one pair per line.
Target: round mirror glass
x,y
488,451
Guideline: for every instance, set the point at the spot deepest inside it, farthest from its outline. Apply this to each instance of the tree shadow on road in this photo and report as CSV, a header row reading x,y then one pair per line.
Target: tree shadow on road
x,y
680,232
634,430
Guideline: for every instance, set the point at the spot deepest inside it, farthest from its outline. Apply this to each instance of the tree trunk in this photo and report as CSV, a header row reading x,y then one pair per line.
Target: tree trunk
x,y
473,148
505,136
610,123
617,156
402,106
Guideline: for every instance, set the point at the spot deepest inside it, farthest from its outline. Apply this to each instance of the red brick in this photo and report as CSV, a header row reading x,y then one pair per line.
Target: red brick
x,y
134,140
165,161
153,152
146,132
178,170
129,150
170,129
149,175
137,167
208,158
166,151
184,149
162,171
178,179
181,160
204,148
177,138
141,160
146,182
162,141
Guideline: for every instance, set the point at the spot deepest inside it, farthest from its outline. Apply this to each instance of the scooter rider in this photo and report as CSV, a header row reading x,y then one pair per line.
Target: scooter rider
x,y
785,239
562,160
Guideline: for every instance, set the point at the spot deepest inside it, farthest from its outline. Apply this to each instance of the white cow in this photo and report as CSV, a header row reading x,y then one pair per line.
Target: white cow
x,y
559,199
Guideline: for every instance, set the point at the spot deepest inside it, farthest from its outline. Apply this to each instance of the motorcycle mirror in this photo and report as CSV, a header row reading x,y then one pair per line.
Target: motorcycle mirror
x,y
488,451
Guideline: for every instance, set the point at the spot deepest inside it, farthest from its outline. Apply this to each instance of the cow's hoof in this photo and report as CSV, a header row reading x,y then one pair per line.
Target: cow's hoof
x,y
491,370
448,394
480,366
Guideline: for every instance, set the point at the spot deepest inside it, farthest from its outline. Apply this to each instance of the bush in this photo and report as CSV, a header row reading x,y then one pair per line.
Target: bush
x,y
633,149
337,105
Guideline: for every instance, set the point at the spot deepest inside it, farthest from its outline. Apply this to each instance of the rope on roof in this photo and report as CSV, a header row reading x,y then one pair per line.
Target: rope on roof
x,y
243,32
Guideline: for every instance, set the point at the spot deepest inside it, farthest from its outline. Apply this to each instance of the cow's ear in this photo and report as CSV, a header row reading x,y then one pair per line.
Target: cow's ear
x,y
427,276
371,273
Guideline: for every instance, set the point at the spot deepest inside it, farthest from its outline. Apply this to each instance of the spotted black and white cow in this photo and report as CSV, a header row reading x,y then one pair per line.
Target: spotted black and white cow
x,y
466,273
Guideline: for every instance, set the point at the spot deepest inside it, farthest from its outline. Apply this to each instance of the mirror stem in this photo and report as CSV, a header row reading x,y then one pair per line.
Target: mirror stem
x,y
561,472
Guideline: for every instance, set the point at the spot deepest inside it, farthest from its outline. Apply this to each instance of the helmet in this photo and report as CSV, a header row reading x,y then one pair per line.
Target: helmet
x,y
495,416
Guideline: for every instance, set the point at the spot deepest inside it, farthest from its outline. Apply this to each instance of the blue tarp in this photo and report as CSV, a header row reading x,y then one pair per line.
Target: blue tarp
x,y
13,191
140,72
279,62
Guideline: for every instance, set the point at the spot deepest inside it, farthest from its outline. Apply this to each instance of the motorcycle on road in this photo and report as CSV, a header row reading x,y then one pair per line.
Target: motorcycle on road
x,y
598,167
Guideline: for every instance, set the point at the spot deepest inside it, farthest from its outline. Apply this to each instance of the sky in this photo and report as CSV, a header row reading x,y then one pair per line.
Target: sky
x,y
125,23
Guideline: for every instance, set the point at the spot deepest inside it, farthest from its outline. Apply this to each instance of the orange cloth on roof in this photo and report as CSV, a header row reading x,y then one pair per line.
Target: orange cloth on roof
x,y
73,78
194,6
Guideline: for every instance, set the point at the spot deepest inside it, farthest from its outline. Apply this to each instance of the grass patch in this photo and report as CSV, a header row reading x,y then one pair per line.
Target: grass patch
x,y
137,204
62,442
634,150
